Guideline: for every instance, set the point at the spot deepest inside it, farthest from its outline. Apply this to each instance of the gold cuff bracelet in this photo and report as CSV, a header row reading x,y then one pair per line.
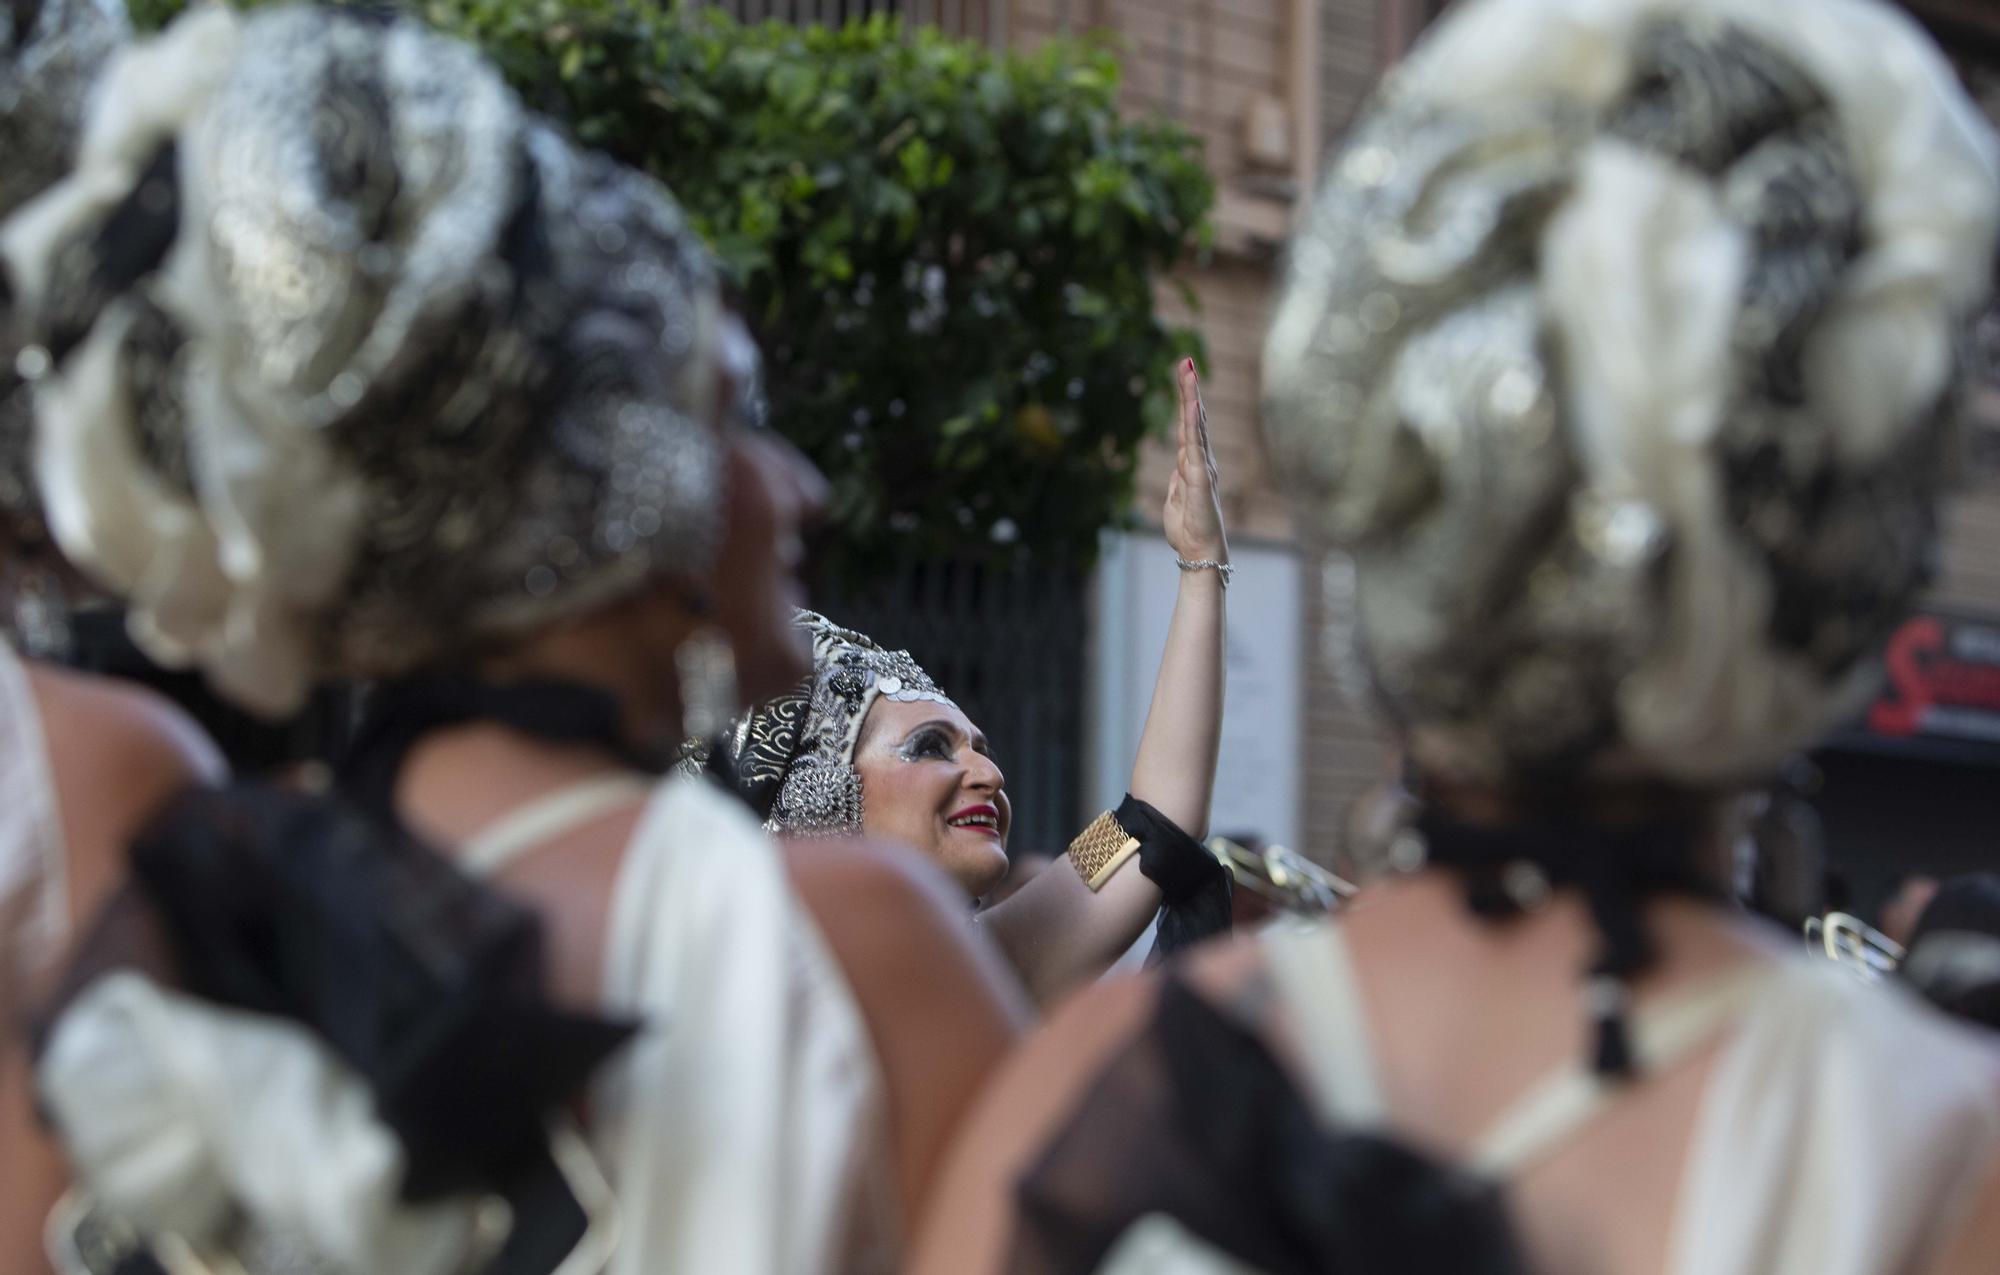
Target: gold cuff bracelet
x,y
1101,849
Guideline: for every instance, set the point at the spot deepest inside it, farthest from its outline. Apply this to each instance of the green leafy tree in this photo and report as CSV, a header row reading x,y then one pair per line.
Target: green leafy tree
x,y
949,254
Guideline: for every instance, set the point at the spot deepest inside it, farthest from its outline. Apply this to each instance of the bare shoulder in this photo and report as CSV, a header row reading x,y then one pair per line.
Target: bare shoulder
x,y
125,732
968,1226
1975,1248
899,926
845,869
117,753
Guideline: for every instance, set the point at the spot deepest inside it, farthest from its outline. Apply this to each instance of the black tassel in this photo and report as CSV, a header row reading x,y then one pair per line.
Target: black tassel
x,y
1487,897
1609,1000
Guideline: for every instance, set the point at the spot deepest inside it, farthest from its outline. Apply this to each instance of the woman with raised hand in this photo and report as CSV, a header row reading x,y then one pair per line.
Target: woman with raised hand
x,y
1619,355
869,743
354,368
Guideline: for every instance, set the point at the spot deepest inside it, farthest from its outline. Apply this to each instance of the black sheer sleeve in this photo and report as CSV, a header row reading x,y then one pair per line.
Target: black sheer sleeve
x,y
1196,1120
1194,886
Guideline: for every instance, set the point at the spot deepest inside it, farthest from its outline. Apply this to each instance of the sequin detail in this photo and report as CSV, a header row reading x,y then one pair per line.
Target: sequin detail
x,y
497,348
1526,601
794,755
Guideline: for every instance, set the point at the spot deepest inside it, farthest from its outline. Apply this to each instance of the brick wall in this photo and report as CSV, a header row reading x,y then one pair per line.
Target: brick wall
x,y
1344,754
1969,579
1197,62
1202,63
1350,59
1235,301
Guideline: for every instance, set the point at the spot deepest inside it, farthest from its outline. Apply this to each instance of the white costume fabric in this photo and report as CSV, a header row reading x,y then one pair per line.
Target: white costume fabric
x,y
1842,1131
744,1129
184,1117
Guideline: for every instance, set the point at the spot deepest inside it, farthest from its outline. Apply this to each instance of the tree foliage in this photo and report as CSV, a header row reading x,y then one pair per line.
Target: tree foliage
x,y
949,254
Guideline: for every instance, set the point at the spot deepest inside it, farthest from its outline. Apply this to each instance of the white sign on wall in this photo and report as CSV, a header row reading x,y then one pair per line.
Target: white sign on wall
x,y
1263,720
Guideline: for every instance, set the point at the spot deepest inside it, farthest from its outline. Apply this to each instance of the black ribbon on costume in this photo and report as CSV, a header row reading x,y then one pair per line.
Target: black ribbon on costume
x,y
399,714
128,244
427,981
1236,1155
1617,870
1195,888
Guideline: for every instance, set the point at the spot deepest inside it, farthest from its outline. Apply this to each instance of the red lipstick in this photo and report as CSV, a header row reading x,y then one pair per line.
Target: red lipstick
x,y
982,810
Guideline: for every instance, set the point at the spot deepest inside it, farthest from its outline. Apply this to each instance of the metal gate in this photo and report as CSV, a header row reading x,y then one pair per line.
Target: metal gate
x,y
1007,644
967,19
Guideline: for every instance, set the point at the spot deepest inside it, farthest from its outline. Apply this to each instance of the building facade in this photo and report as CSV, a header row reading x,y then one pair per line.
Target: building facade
x,y
1899,792
1269,86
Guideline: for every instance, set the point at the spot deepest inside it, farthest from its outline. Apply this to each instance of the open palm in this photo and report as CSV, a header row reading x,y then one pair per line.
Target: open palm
x,y
1193,514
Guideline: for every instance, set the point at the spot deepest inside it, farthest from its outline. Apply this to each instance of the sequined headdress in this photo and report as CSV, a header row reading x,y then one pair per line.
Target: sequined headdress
x,y
351,363
794,755
54,51
1620,353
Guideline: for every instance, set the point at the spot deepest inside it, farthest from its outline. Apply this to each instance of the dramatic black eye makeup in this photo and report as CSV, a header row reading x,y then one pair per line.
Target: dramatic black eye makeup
x,y
933,741
937,741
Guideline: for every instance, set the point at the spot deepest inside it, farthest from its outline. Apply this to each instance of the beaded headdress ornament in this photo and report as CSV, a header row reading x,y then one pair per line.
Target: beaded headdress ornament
x,y
351,363
794,755
54,51
1619,355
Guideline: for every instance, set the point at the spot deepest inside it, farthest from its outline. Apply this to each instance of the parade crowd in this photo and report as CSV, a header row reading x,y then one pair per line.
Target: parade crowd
x,y
642,919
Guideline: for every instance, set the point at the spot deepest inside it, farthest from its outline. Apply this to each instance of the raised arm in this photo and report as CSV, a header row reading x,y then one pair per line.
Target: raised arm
x,y
1055,930
1175,769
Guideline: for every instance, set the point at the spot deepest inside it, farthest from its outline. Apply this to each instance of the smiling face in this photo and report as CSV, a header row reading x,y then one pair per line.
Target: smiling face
x,y
927,779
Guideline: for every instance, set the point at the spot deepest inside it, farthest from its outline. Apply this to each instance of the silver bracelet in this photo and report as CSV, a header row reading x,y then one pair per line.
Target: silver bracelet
x,y
1222,569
